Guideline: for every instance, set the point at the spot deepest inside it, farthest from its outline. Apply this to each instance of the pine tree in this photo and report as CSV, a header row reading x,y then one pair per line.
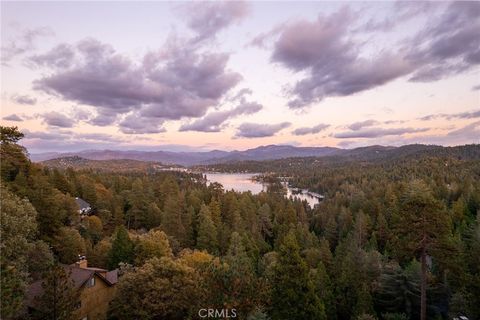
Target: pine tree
x,y
399,290
188,219
122,248
331,232
60,182
382,231
14,158
324,289
422,225
215,212
59,297
233,283
172,218
207,232
265,220
293,292
153,216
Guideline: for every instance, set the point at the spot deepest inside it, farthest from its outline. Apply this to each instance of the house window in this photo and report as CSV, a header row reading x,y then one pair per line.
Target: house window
x,y
91,282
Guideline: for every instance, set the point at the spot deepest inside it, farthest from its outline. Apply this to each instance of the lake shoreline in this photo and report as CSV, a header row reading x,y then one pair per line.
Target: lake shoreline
x,y
250,182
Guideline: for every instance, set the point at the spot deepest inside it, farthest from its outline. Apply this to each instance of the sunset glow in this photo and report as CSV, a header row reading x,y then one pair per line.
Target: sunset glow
x,y
236,75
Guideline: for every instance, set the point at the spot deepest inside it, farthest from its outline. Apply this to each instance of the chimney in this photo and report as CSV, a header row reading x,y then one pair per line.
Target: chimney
x,y
82,262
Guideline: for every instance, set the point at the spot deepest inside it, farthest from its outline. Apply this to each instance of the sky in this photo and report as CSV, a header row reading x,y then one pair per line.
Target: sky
x,y
198,76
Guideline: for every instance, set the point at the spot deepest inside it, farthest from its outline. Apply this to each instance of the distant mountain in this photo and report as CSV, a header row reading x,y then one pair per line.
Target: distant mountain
x,y
379,153
270,152
77,162
273,152
363,155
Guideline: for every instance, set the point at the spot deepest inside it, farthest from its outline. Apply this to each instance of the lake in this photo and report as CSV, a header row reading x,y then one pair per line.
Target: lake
x,y
243,182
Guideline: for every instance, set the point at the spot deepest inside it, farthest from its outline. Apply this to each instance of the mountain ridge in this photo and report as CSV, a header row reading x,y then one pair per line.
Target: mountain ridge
x,y
268,152
261,153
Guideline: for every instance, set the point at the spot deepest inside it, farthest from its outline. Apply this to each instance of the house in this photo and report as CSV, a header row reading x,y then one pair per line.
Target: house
x,y
84,206
96,286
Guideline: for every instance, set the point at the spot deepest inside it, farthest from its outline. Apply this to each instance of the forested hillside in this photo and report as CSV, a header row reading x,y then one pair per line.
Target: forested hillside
x,y
104,165
389,232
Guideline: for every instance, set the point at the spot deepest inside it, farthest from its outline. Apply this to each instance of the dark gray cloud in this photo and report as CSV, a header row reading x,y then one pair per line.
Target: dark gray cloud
x,y
61,56
103,119
81,114
461,115
172,83
257,130
136,124
193,82
213,122
13,117
206,19
22,43
377,132
450,44
57,119
332,55
24,99
50,135
362,124
310,130
331,59
401,12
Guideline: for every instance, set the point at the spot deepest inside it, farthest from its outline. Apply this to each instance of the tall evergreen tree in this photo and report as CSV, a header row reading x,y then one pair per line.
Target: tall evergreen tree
x,y
59,297
207,232
422,227
233,284
172,218
122,248
14,159
293,292
398,291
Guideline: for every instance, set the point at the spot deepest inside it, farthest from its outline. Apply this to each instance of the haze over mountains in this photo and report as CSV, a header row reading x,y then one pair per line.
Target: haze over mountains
x,y
195,158
270,152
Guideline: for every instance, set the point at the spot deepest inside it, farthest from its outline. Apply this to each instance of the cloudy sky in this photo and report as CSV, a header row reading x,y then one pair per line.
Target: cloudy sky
x,y
236,75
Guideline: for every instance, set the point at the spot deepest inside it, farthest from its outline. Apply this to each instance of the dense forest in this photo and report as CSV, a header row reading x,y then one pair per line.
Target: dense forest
x,y
395,237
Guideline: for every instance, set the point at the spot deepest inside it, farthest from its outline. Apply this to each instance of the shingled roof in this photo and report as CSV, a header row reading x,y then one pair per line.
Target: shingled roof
x,y
79,276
